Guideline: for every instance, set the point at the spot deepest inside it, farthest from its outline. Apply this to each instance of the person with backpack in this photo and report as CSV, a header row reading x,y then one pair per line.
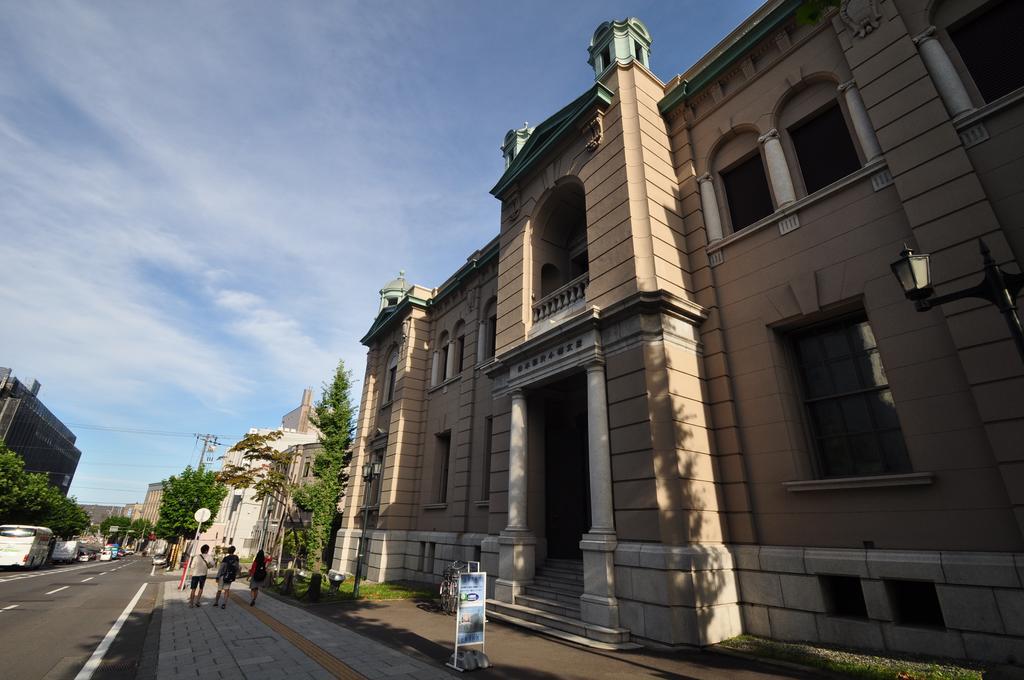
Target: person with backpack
x,y
226,575
257,575
199,567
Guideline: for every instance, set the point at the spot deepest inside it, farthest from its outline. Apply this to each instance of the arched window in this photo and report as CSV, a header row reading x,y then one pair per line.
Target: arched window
x,y
986,37
490,341
391,377
743,180
819,137
559,251
458,358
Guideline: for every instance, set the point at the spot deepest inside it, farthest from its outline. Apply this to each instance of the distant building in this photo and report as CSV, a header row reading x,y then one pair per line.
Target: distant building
x,y
241,520
98,513
34,433
133,511
151,506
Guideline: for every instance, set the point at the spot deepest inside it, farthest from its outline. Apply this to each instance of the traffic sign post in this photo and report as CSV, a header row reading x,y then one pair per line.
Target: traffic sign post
x,y
202,514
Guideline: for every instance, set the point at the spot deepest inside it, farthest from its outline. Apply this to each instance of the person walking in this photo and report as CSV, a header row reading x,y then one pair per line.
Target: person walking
x,y
226,575
257,575
200,568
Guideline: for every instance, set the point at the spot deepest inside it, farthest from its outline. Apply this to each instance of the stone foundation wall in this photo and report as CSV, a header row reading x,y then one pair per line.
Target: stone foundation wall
x,y
785,595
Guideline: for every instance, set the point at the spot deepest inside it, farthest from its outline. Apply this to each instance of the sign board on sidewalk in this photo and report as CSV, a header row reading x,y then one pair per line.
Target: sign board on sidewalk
x,y
470,619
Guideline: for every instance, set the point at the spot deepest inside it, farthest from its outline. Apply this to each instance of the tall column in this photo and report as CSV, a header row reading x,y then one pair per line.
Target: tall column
x,y
861,122
453,349
516,545
481,342
598,603
601,507
517,465
435,368
778,169
940,68
709,203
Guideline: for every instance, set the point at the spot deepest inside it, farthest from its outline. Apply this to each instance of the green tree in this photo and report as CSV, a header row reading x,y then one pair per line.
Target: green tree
x,y
335,417
141,528
183,495
29,498
264,468
812,11
121,522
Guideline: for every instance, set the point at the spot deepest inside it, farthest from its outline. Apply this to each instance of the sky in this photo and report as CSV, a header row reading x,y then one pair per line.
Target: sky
x,y
199,201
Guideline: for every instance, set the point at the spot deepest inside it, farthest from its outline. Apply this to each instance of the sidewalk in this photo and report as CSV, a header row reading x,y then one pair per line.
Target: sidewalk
x,y
271,641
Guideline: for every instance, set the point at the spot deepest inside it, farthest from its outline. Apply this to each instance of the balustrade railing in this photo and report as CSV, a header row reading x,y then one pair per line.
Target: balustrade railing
x,y
569,295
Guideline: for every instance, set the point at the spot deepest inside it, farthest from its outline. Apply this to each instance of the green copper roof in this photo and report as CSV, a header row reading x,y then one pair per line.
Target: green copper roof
x,y
549,132
687,88
390,314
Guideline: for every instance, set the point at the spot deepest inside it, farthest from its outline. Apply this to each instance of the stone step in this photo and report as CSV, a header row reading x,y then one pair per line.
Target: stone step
x,y
560,574
560,607
565,565
561,627
553,594
558,584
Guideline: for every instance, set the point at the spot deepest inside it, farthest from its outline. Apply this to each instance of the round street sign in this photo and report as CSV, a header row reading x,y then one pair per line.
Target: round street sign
x,y
202,514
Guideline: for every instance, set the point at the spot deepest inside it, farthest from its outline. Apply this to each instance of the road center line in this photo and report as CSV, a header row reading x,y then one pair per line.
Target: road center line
x,y
97,656
87,579
58,590
10,606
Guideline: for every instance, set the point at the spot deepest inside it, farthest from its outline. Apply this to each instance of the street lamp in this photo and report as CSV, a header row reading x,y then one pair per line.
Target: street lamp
x,y
370,472
998,287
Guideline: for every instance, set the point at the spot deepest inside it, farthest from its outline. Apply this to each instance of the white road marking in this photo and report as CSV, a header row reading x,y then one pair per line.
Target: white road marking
x,y
58,590
97,656
153,570
48,572
11,606
87,579
102,573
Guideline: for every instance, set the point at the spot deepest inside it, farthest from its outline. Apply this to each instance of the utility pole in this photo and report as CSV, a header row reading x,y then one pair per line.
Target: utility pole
x,y
210,444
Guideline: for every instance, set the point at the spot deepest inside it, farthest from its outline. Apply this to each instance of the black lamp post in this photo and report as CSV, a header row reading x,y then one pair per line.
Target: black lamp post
x,y
998,287
370,472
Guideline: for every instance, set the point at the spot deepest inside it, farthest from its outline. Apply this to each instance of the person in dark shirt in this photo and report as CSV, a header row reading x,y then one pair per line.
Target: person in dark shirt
x,y
226,575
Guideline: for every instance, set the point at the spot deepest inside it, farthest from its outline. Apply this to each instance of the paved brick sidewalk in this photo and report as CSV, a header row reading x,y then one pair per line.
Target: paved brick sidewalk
x,y
270,641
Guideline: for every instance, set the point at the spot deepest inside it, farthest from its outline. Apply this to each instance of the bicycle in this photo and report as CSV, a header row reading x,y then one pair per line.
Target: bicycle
x,y
450,586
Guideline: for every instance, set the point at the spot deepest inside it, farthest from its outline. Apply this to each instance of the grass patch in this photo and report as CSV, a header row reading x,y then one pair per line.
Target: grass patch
x,y
852,664
367,590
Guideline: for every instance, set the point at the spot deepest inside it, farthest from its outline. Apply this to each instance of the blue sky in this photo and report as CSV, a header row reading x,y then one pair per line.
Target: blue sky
x,y
200,201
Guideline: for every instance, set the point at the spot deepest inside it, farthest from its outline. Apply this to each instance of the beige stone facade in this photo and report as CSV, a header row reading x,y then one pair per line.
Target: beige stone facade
x,y
681,396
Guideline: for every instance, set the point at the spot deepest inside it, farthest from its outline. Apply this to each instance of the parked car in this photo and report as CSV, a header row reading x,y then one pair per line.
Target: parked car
x,y
159,560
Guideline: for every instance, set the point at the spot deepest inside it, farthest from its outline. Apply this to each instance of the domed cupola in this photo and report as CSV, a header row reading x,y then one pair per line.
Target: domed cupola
x,y
392,293
619,41
515,140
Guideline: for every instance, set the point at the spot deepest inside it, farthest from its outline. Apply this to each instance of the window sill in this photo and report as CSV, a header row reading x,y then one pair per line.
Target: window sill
x,y
979,114
868,482
386,404
794,207
485,364
446,383
435,506
483,504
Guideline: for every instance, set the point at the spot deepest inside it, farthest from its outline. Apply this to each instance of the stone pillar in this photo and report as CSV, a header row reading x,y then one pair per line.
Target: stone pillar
x,y
709,203
940,68
453,349
481,342
517,465
861,123
517,544
778,169
435,368
598,604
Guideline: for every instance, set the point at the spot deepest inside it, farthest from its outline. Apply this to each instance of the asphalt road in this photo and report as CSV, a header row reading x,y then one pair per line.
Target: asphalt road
x,y
52,620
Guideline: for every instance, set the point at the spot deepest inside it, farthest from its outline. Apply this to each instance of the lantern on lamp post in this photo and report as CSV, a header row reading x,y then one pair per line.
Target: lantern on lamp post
x,y
998,287
371,470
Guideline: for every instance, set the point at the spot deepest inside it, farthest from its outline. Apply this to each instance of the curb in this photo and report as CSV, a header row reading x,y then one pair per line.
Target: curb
x,y
780,663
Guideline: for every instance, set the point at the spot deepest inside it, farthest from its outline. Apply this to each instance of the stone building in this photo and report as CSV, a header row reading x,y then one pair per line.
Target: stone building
x,y
681,395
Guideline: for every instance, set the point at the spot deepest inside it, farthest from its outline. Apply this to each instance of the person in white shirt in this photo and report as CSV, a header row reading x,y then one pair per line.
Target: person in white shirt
x,y
199,567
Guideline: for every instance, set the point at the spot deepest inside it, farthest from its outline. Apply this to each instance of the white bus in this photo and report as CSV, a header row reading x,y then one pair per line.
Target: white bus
x,y
24,546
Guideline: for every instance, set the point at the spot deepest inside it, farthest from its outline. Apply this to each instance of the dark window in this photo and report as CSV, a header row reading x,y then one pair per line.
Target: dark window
x,y
444,362
460,349
485,485
824,149
990,46
378,481
844,596
392,377
849,406
639,51
305,470
444,450
492,330
915,603
746,190
606,58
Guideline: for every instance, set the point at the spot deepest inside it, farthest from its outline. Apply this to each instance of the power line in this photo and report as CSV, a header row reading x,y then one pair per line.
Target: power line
x,y
139,430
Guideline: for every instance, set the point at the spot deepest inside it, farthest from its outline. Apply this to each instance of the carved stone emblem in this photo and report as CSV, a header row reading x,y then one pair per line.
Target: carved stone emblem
x,y
860,16
511,207
594,130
